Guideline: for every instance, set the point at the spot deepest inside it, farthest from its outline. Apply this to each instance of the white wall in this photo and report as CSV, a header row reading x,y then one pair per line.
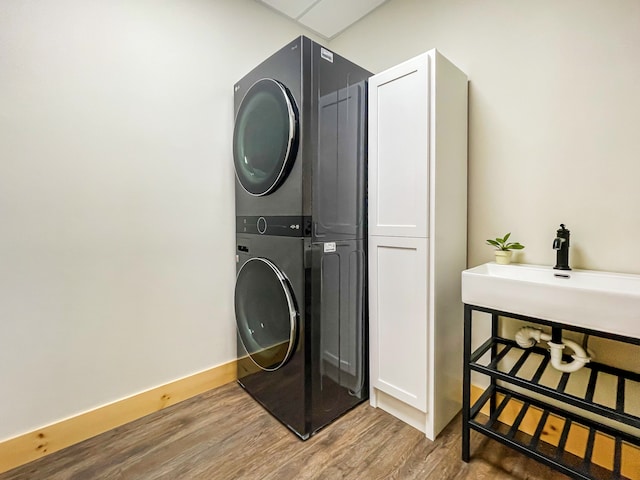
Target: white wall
x,y
553,116
116,195
116,183
553,120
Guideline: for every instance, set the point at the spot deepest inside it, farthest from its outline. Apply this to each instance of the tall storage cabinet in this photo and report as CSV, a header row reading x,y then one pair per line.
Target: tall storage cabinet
x,y
417,239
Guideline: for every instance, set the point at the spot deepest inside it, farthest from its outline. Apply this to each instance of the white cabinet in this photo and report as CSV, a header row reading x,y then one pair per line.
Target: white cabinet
x,y
398,151
417,239
397,272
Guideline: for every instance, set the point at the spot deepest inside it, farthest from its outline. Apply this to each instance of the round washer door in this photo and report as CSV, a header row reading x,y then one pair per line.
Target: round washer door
x,y
265,137
266,313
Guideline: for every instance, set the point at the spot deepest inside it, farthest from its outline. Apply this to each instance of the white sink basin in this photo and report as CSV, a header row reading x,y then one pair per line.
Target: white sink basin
x,y
603,301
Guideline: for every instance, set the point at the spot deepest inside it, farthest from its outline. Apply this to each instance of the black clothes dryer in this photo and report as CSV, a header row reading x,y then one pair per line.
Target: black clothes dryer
x,y
299,144
300,296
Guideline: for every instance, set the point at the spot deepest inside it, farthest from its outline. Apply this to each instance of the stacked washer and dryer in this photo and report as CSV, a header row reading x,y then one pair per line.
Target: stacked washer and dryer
x,y
299,148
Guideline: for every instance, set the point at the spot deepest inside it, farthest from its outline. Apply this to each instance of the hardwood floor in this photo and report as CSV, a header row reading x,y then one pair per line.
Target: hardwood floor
x,y
225,434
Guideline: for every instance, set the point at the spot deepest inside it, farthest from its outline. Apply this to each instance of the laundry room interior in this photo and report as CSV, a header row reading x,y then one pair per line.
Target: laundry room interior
x,y
122,243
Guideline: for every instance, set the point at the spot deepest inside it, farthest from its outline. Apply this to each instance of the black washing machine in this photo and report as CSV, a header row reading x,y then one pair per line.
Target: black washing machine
x,y
299,148
301,324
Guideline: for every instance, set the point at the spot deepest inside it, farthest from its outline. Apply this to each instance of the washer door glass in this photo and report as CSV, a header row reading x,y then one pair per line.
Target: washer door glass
x,y
265,137
266,313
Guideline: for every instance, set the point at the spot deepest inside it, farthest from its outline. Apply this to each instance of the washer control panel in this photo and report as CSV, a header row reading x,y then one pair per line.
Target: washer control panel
x,y
284,226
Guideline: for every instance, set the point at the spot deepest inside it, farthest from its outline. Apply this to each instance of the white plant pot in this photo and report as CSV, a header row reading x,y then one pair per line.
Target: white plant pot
x,y
503,257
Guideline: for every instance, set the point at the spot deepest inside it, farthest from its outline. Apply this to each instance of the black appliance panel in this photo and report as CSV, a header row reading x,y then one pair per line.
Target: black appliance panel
x,y
339,167
284,226
339,329
338,206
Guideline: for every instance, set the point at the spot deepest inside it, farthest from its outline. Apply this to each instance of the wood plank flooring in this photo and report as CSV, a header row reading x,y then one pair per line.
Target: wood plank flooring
x,y
224,434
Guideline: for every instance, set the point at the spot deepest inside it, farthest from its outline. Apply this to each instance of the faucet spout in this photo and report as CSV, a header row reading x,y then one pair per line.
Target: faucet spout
x,y
561,246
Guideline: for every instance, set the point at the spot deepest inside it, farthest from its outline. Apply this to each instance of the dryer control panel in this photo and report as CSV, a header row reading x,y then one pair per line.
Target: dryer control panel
x,y
284,226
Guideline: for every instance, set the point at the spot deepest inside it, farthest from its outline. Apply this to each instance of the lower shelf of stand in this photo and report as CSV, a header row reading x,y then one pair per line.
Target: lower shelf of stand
x,y
588,464
622,379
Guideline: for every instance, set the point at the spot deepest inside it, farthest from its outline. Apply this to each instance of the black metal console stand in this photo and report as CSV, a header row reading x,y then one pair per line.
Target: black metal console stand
x,y
502,360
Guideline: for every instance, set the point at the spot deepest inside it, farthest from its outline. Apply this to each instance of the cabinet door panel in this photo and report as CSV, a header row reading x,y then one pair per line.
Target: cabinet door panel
x,y
398,317
398,150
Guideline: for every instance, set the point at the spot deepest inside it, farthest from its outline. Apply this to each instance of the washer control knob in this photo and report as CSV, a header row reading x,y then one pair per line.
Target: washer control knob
x,y
262,225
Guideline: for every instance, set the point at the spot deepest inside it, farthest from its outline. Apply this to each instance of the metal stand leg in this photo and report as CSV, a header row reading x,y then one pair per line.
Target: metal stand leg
x,y
466,386
494,352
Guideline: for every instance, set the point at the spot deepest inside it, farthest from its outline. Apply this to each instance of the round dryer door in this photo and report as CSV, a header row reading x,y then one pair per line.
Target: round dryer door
x,y
266,313
265,137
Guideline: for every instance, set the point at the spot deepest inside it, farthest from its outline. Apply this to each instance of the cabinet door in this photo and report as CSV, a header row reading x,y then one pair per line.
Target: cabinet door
x,y
398,315
399,150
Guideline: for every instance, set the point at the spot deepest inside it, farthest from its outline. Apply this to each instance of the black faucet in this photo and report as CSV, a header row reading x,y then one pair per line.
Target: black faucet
x,y
561,245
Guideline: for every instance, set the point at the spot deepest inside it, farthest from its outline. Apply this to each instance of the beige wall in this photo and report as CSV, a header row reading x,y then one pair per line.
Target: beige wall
x,y
116,183
553,121
116,195
553,116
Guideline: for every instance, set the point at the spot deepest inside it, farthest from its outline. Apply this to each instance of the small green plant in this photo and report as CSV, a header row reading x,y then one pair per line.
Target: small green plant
x,y
501,243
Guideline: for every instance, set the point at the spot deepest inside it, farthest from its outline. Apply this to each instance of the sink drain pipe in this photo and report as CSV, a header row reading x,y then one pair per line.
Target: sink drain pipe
x,y
527,337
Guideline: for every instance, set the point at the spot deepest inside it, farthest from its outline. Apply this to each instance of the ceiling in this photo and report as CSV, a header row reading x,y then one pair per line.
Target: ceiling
x,y
326,17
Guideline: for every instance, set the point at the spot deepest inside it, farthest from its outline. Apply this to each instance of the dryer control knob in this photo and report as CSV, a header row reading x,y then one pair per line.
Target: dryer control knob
x,y
262,225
